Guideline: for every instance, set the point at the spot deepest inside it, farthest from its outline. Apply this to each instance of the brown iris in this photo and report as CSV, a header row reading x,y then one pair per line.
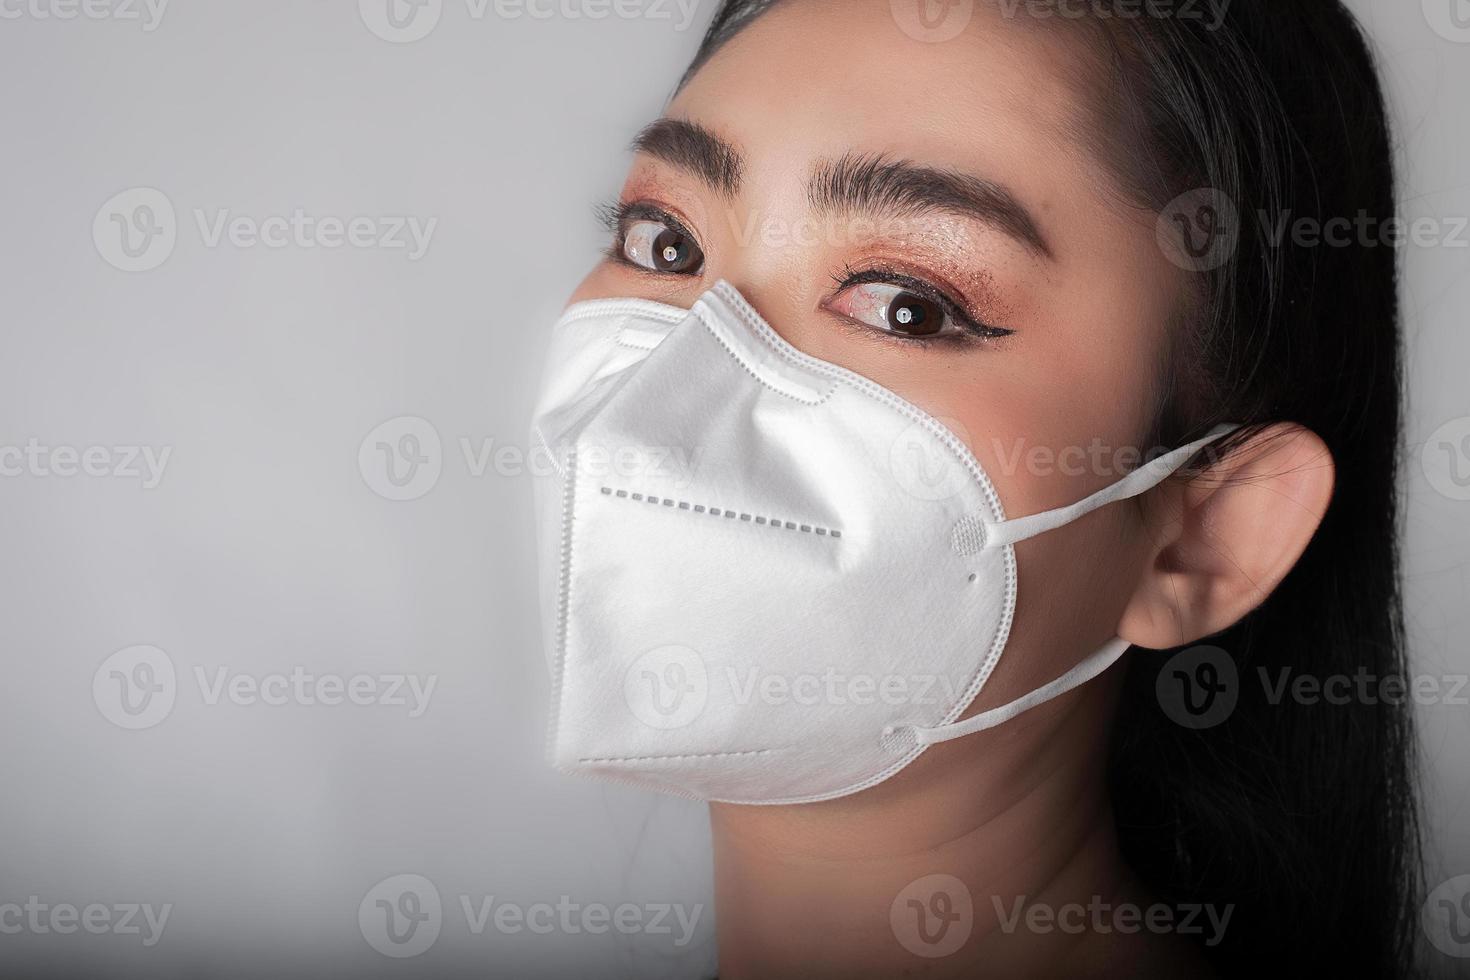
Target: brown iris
x,y
674,251
915,316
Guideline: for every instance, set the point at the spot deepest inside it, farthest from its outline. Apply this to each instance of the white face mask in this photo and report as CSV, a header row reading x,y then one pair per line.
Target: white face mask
x,y
755,587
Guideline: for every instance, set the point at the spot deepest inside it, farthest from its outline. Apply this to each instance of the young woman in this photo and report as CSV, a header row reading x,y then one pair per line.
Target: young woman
x,y
1047,235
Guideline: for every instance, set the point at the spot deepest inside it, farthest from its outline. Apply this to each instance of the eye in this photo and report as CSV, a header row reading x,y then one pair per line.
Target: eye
x,y
905,307
892,309
658,246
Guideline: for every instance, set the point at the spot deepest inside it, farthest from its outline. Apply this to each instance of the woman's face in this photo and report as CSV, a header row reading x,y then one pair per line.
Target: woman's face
x,y
927,215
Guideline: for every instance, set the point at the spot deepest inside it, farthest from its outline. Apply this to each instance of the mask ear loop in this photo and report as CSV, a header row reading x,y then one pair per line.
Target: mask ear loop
x,y
1085,671
1141,480
1003,533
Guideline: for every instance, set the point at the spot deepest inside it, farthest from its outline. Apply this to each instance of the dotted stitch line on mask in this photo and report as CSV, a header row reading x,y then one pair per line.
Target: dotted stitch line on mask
x,y
720,512
676,758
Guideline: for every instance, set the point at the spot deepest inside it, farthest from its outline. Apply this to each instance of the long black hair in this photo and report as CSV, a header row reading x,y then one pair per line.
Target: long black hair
x,y
1303,816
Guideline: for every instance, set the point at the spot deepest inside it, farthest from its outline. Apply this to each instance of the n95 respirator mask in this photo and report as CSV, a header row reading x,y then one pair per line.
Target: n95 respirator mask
x,y
764,578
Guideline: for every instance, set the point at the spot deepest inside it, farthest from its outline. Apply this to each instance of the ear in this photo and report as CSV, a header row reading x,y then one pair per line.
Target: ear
x,y
1225,539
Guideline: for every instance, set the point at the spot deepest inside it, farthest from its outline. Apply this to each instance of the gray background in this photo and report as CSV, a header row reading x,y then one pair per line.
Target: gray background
x,y
266,546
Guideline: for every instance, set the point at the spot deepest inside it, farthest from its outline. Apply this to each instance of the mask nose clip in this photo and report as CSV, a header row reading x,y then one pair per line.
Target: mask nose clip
x,y
764,354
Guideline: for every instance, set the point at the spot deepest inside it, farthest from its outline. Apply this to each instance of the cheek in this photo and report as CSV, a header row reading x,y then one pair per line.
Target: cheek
x,y
970,393
1073,586
1079,574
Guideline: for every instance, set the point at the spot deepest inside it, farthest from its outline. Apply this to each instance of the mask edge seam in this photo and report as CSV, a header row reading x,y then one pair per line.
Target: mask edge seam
x,y
564,590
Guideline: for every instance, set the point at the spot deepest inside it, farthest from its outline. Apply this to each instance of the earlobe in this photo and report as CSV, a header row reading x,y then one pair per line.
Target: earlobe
x,y
1225,540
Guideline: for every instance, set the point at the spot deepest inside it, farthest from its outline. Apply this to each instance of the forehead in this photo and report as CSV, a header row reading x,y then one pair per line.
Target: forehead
x,y
814,79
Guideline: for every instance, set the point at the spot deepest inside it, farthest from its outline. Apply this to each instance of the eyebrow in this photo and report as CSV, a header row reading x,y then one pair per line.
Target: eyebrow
x,y
875,184
681,143
869,183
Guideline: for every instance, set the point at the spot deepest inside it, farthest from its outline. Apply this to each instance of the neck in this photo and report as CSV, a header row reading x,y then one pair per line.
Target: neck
x,y
1015,817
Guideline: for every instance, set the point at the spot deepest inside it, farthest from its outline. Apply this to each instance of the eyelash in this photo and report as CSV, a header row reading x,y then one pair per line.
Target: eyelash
x,y
615,215
975,329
